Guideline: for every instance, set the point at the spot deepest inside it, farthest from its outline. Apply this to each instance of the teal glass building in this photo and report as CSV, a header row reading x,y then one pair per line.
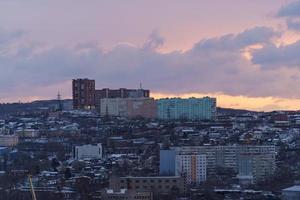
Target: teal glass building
x,y
189,109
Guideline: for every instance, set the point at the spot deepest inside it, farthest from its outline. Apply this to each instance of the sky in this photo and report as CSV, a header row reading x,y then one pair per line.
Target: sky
x,y
245,53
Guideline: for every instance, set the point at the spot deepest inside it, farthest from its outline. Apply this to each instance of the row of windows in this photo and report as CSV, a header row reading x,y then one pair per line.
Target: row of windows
x,y
153,187
152,181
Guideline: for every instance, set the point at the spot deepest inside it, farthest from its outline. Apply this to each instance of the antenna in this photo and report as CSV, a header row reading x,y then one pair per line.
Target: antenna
x,y
59,102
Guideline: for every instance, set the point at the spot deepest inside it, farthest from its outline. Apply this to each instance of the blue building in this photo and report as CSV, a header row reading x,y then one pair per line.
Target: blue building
x,y
190,109
3,157
167,163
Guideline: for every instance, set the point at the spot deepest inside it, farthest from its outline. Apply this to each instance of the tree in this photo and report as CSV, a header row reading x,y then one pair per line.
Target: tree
x,y
68,173
54,164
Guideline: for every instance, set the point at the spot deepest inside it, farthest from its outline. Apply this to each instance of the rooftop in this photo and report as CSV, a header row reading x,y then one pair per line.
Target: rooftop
x,y
295,188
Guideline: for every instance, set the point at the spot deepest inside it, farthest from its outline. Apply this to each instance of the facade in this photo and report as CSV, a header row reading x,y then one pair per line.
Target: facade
x,y
4,151
251,162
9,140
83,93
122,93
119,93
128,107
192,167
27,133
158,185
124,194
254,166
88,151
191,108
166,164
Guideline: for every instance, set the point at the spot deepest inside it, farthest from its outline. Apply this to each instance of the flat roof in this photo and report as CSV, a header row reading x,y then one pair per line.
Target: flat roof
x,y
295,188
149,177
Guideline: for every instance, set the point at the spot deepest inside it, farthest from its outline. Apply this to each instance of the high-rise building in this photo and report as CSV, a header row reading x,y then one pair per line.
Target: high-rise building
x,y
166,163
251,162
255,164
192,167
119,93
191,108
83,93
129,107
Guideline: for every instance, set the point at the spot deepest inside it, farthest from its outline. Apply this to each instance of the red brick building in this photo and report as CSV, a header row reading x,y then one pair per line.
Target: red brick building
x,y
83,93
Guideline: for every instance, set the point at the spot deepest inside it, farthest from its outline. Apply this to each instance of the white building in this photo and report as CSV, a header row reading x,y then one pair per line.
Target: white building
x,y
129,107
28,133
192,167
88,151
9,140
125,194
254,162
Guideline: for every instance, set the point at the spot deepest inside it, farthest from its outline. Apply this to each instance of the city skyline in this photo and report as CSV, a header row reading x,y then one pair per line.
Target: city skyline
x,y
243,53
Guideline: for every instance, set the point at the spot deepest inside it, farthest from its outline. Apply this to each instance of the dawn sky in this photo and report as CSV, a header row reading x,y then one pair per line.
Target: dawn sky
x,y
245,53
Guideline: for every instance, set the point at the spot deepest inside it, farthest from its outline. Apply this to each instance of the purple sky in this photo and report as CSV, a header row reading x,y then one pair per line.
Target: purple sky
x,y
232,47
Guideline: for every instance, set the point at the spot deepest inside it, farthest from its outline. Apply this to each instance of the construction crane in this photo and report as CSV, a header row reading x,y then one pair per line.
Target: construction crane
x,y
31,187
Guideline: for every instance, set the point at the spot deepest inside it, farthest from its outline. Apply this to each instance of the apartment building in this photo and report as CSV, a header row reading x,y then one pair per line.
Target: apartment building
x,y
189,109
83,93
192,167
158,185
254,162
129,107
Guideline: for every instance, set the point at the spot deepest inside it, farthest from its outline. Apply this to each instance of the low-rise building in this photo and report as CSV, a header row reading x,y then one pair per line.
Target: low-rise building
x,y
27,133
88,151
125,194
158,185
291,193
9,140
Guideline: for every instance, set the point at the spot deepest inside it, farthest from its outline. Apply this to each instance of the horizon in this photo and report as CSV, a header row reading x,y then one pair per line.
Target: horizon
x,y
243,53
158,96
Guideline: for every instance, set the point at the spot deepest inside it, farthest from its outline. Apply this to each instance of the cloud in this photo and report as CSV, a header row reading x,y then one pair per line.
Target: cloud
x,y
257,35
291,13
293,24
272,56
290,10
212,65
155,40
7,37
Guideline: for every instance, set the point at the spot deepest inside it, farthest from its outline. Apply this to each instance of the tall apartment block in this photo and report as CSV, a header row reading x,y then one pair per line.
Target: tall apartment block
x,y
252,163
107,93
128,107
190,109
83,93
192,167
